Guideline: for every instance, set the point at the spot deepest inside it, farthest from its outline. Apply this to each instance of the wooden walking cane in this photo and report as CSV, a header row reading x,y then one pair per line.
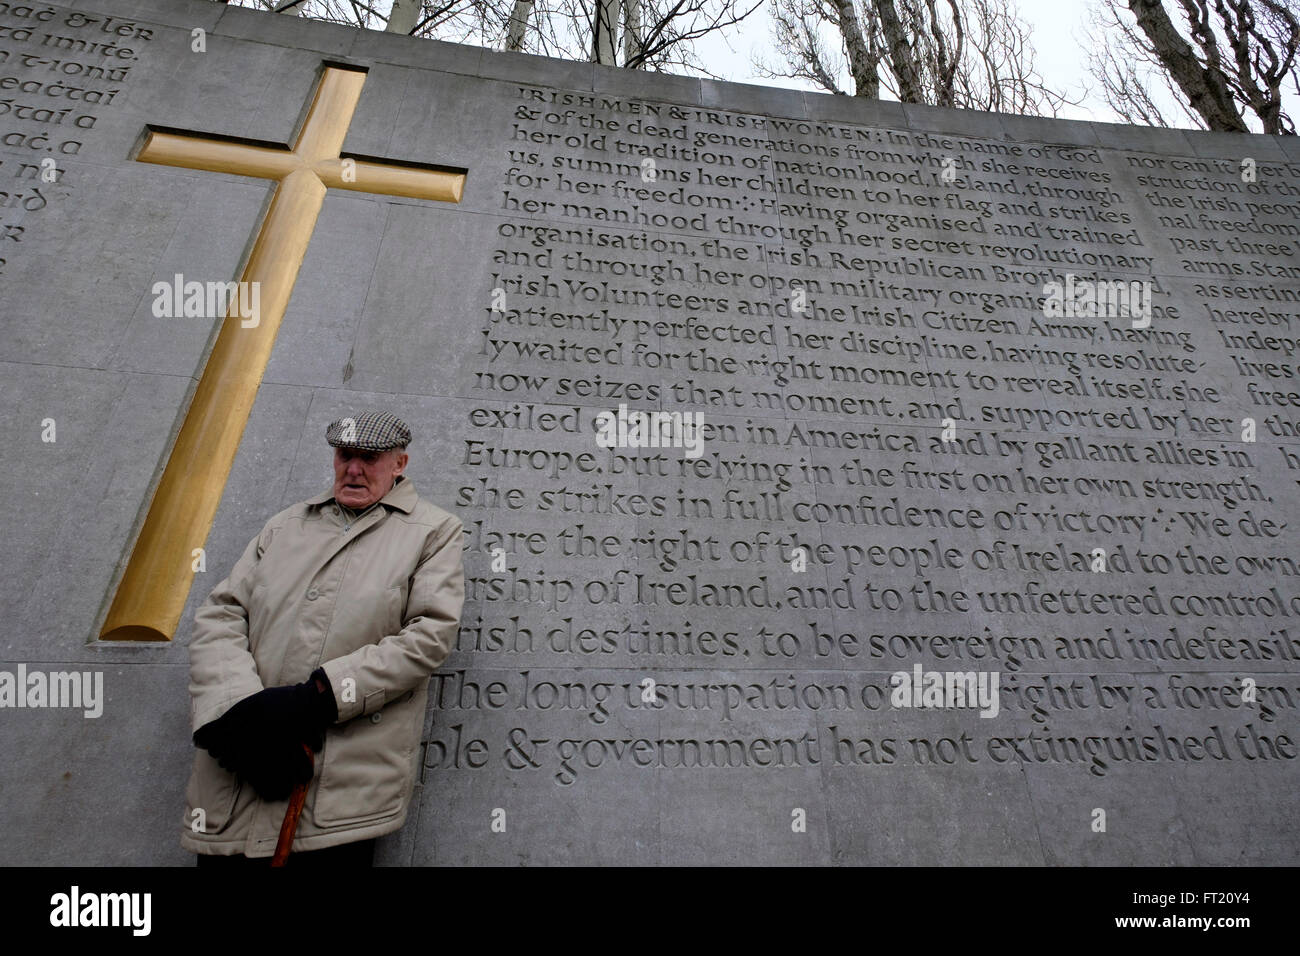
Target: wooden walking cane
x,y
291,815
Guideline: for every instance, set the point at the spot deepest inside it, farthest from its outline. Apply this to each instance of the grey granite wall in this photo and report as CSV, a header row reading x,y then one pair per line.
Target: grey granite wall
x,y
907,463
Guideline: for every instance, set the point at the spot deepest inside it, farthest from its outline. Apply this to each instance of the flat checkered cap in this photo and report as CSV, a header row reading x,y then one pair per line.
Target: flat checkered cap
x,y
369,431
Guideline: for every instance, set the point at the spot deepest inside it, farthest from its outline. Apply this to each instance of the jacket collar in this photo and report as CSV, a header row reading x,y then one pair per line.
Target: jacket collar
x,y
401,496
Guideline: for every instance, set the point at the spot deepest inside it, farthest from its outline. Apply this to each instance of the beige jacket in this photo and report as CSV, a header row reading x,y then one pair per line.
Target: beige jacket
x,y
378,605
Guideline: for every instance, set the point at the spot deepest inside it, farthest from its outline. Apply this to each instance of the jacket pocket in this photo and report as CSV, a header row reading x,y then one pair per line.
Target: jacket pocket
x,y
364,617
212,790
366,772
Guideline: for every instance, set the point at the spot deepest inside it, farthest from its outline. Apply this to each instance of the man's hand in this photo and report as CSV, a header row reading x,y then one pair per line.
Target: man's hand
x,y
273,766
261,737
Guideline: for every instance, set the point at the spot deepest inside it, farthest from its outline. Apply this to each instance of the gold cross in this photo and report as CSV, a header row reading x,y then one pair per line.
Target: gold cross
x,y
151,595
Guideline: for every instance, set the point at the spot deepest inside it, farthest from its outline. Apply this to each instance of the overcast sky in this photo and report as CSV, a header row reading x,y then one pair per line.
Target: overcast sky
x,y
1058,39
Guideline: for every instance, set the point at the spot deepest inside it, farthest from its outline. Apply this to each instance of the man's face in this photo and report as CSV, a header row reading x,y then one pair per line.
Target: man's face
x,y
363,477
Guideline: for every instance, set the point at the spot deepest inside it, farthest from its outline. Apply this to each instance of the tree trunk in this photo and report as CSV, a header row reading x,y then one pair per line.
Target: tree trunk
x,y
523,9
862,64
900,53
605,28
1206,89
632,35
403,17
945,62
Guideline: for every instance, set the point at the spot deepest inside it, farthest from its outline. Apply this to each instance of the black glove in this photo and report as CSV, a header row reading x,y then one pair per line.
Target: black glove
x,y
274,765
266,729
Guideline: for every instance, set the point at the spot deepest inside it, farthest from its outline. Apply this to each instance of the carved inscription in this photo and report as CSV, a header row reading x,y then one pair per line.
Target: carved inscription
x,y
1007,430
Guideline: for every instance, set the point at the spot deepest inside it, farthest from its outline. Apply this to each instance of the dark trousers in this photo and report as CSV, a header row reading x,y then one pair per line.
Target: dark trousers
x,y
345,856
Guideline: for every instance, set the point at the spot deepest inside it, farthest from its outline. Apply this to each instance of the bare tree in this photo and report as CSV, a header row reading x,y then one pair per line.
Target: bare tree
x,y
464,21
656,34
666,30
898,41
971,54
860,47
403,16
1227,64
944,51
798,35
518,25
605,32
632,45
997,71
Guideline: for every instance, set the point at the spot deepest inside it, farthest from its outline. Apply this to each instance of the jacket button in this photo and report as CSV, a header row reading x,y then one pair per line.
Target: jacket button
x,y
312,594
376,717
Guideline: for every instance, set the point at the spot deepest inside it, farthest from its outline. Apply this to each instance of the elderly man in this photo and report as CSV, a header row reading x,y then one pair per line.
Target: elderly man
x,y
324,634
